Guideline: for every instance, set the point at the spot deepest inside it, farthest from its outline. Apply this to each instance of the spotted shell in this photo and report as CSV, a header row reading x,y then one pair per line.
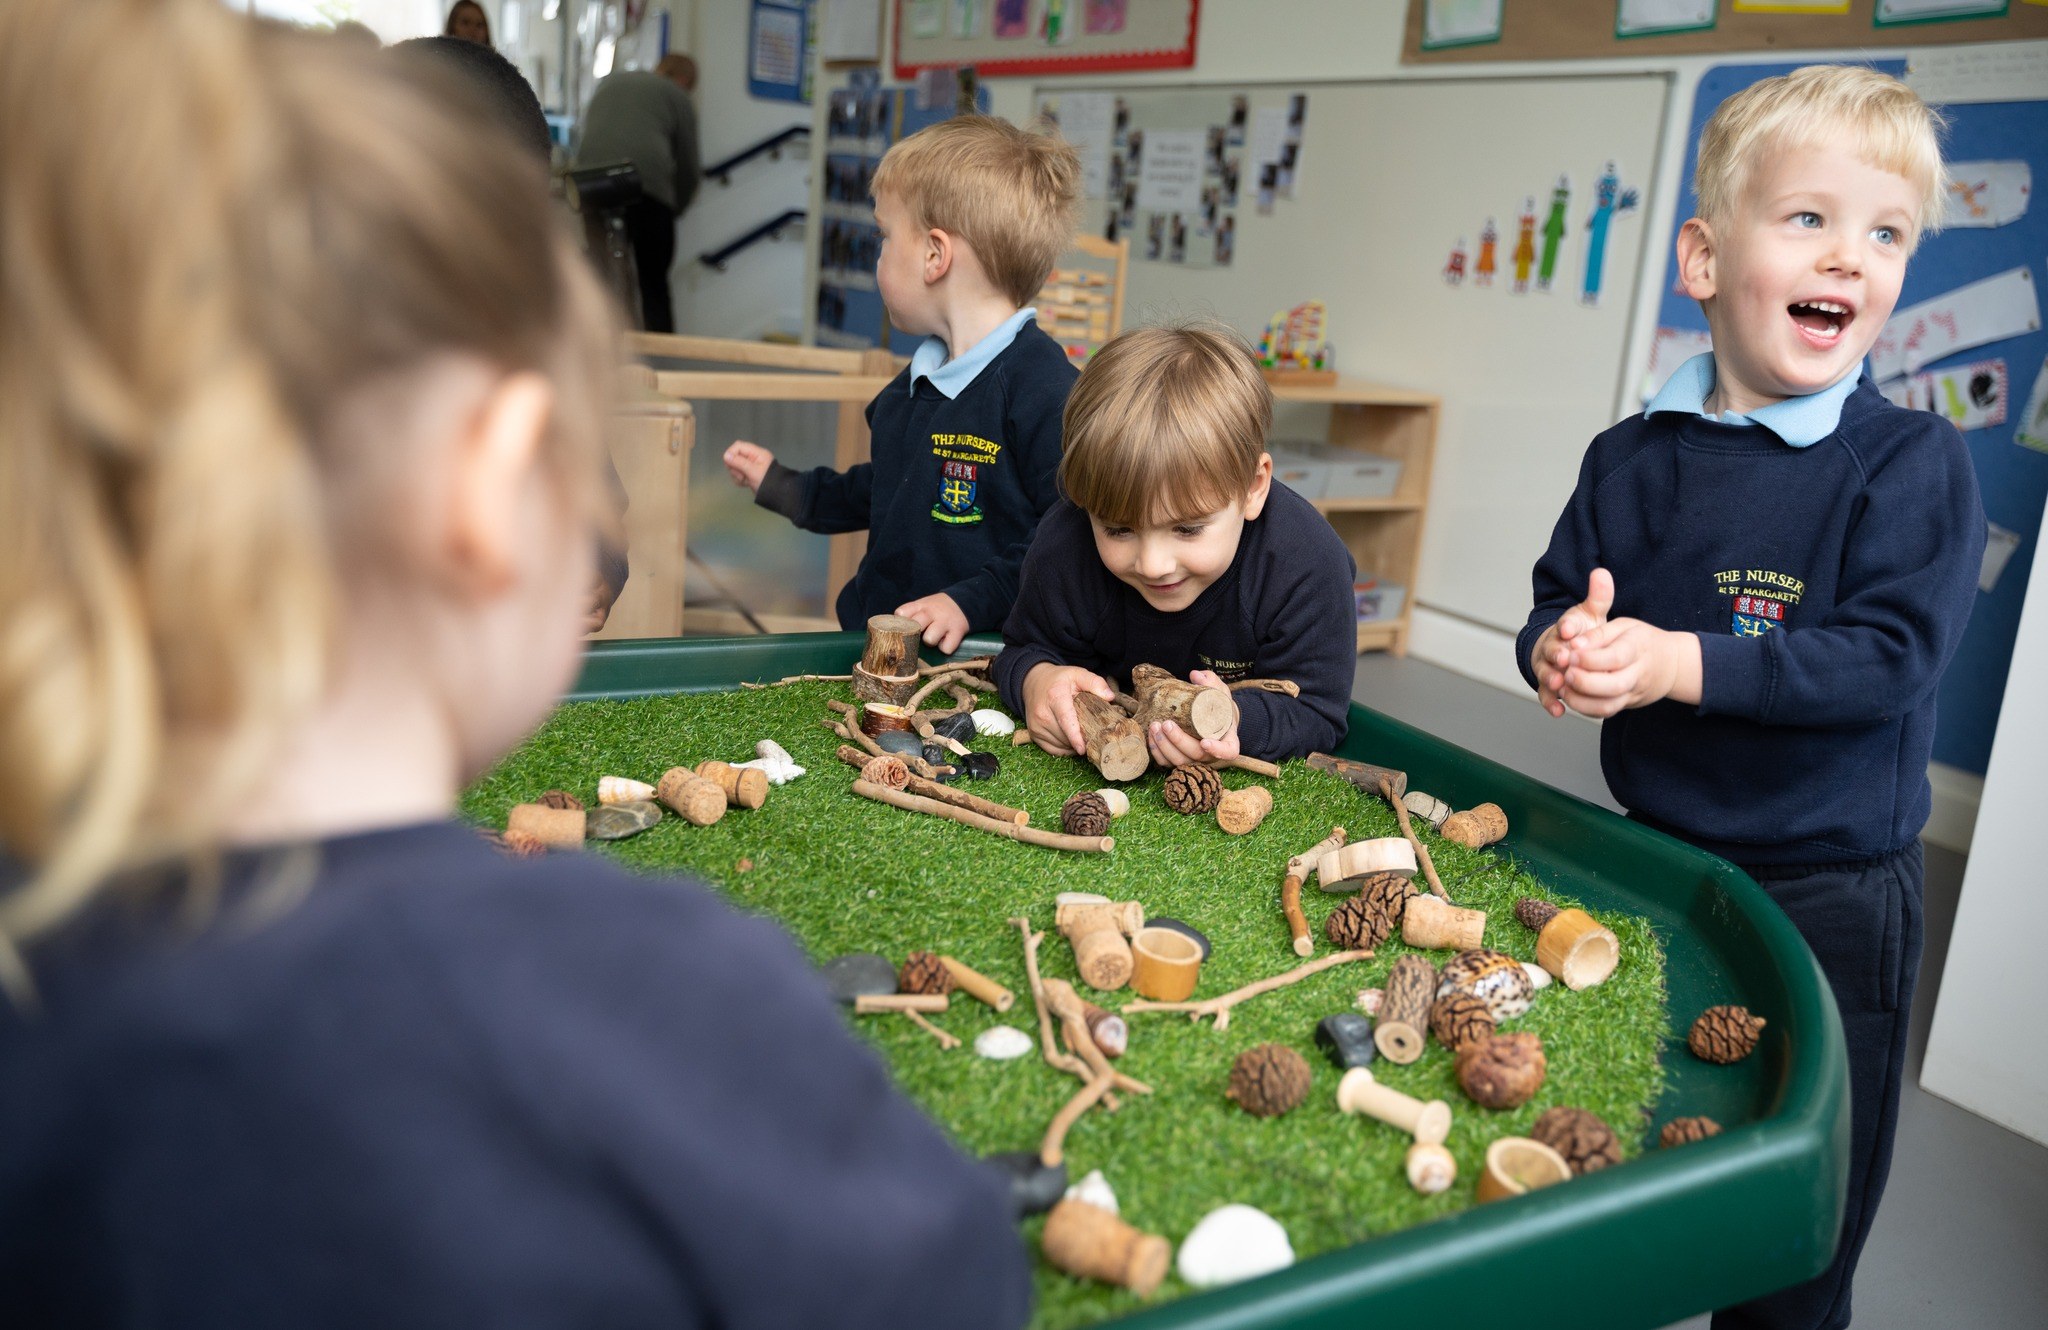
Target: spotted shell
x,y
1493,977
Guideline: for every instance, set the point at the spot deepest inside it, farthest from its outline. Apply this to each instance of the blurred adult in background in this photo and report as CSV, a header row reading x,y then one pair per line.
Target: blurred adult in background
x,y
468,21
646,117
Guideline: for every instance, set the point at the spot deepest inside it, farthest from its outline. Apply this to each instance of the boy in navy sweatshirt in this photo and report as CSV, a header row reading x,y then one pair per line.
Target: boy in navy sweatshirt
x,y
973,213
1777,564
1178,549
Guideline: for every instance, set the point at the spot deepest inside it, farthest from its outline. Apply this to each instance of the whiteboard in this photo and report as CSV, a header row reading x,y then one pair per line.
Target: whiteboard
x,y
1390,175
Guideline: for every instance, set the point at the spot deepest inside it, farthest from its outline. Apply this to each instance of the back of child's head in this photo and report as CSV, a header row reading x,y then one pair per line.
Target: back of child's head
x,y
1009,193
1165,424
1869,114
231,254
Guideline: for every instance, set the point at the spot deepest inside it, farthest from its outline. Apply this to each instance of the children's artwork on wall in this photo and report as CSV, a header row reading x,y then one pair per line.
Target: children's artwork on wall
x,y
1610,200
1012,18
1669,349
1972,396
966,18
1226,242
1454,267
1057,27
1290,144
1106,15
1988,193
1554,227
1928,11
926,18
1482,269
2000,306
1999,544
2033,427
1525,246
1648,18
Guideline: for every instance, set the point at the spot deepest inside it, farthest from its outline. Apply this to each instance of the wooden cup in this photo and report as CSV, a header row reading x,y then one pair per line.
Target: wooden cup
x,y
1516,1164
1577,948
1167,964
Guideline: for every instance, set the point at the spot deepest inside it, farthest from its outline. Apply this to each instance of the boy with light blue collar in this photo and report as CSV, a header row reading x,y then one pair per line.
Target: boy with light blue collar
x,y
966,440
1777,564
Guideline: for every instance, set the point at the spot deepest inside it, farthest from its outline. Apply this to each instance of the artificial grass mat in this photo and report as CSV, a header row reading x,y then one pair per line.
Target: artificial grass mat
x,y
845,874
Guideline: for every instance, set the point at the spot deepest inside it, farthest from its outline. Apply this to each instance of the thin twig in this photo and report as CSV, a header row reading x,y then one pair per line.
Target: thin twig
x,y
1408,829
1050,840
1066,1062
1296,872
1219,1007
945,1040
801,678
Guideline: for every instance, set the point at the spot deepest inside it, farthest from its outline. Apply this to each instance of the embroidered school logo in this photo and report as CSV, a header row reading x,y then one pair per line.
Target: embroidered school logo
x,y
958,482
1757,615
1759,598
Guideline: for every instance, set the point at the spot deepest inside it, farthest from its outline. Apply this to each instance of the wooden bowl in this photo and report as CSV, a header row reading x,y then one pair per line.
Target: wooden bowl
x,y
1167,964
1578,949
1516,1164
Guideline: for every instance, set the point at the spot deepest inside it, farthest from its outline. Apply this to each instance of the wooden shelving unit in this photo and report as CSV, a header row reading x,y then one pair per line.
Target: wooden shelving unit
x,y
1384,535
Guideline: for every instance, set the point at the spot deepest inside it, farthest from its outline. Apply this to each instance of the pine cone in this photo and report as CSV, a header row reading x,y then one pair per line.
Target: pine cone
x,y
923,972
888,772
1586,1142
1192,789
1355,925
1724,1034
1684,1131
1533,913
1458,1019
1085,815
1389,894
1268,1080
559,799
522,844
1502,1071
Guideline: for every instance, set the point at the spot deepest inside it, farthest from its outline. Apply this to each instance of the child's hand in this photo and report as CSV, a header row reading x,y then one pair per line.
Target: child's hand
x,y
597,607
1049,705
944,622
1553,650
1172,746
1628,663
747,462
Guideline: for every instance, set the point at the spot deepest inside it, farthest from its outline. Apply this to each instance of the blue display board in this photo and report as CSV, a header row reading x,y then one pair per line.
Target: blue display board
x,y
778,50
2014,479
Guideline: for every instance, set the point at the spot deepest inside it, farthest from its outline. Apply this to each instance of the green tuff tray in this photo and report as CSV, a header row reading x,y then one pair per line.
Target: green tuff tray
x,y
1660,1238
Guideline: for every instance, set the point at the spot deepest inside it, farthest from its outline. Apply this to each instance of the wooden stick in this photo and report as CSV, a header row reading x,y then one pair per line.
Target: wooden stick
x,y
1296,873
1287,686
869,1004
800,678
1364,775
945,1040
1219,1007
1067,1005
973,803
1240,763
852,734
1436,885
958,682
1066,1062
978,985
972,665
1050,840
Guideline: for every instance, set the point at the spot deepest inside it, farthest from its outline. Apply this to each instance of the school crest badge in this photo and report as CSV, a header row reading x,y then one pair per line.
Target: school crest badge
x,y
1756,615
958,484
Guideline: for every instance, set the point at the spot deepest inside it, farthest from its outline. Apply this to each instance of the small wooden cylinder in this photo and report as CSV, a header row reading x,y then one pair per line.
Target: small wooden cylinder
x,y
1089,1241
892,645
1112,741
1476,828
558,828
869,1004
978,985
1516,1164
1577,948
1433,924
1101,952
745,787
882,717
1241,811
1167,964
1431,1168
1130,915
1402,1030
1358,1092
692,798
1387,854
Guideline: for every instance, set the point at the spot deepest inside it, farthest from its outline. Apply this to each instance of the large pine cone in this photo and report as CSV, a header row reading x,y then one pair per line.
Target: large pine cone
x,y
1085,815
1458,1019
1268,1080
1370,917
1193,789
1533,913
924,972
1503,1071
1724,1034
1684,1131
1586,1142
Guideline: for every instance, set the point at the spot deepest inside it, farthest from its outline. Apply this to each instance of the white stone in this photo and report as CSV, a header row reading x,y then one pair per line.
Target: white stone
x,y
1119,802
1233,1243
1369,1000
993,723
1538,976
1095,1190
1002,1042
773,761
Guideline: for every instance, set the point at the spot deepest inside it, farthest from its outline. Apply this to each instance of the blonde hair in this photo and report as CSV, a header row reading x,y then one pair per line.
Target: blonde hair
x,y
233,239
1165,424
1009,194
1876,117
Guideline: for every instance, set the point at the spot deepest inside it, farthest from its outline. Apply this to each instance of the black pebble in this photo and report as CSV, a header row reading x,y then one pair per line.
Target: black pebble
x,y
981,766
1034,1188
958,728
1346,1039
858,975
937,756
1186,930
899,741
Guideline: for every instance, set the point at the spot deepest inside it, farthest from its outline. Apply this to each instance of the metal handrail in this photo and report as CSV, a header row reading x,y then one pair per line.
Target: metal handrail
x,y
772,228
772,145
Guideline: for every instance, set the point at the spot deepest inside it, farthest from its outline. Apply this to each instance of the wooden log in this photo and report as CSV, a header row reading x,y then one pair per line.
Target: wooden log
x,y
1429,1123
1434,924
1111,740
694,799
744,787
869,1004
893,640
973,803
1364,775
557,828
1239,812
1101,951
1088,1241
1050,840
1402,1030
1297,871
879,718
1204,713
978,985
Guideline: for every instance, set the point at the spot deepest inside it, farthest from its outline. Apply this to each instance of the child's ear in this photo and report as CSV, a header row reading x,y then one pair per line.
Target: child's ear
x,y
939,255
1261,486
492,459
1696,259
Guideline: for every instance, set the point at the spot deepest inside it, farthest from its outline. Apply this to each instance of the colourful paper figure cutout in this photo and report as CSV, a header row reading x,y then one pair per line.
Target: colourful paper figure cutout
x,y
1012,18
1525,246
1554,228
1294,339
1105,15
1454,267
1609,200
1055,26
1489,239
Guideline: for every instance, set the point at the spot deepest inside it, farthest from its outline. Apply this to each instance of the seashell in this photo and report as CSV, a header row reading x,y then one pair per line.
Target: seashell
x,y
1369,1000
1493,977
1232,1243
623,790
1095,1190
993,723
1538,976
1119,802
1000,1043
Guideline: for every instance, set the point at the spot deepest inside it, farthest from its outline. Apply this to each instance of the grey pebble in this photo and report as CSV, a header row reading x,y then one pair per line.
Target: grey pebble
x,y
618,821
1346,1039
898,741
860,974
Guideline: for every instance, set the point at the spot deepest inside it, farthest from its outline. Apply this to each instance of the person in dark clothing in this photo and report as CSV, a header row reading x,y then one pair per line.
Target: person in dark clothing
x,y
1777,565
1179,549
973,213
646,117
282,1044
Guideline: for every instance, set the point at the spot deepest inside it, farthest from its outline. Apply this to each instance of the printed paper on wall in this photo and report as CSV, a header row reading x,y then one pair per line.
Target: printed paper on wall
x,y
1988,193
1972,396
1671,348
1999,544
1170,171
1998,307
2033,426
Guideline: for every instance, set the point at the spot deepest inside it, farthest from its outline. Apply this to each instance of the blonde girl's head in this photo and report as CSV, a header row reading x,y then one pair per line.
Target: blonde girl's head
x,y
234,261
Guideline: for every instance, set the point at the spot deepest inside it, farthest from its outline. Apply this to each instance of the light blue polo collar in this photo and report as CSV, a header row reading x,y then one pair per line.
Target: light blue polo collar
x,y
1799,421
951,377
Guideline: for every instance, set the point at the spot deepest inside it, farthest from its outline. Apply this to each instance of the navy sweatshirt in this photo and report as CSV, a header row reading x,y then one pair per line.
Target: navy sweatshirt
x,y
444,1088
955,490
1828,585
1284,609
